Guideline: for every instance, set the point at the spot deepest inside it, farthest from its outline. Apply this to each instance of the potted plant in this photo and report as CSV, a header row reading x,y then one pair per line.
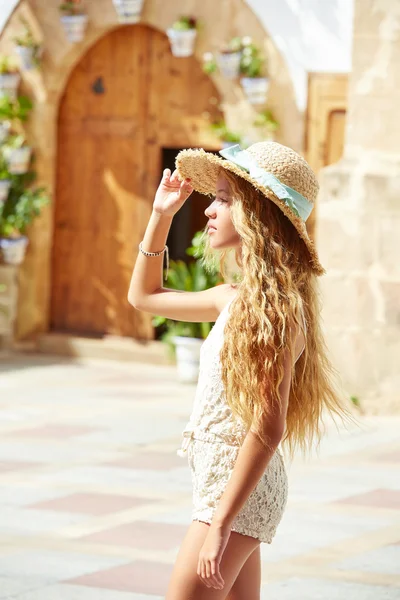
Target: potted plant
x,y
24,203
252,65
9,78
266,121
227,59
226,136
5,182
185,339
74,20
28,49
17,154
128,11
12,111
182,36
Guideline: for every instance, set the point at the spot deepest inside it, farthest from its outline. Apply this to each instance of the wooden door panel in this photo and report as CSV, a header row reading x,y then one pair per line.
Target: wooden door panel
x,y
126,99
325,124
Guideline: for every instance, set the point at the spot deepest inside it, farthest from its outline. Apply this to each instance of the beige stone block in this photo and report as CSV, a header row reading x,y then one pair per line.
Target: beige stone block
x,y
335,183
373,123
390,291
389,245
382,192
349,301
354,356
347,241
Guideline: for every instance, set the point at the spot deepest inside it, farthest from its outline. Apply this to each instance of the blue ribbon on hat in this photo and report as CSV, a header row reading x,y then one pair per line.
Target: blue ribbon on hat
x,y
297,203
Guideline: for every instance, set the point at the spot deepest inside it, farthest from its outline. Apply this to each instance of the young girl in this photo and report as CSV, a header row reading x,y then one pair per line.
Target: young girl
x,y
264,377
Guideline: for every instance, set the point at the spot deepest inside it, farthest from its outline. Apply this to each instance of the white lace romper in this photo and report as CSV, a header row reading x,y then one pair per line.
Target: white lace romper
x,y
212,440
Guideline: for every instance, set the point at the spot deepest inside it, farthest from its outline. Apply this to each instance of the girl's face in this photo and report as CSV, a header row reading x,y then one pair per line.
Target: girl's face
x,y
220,227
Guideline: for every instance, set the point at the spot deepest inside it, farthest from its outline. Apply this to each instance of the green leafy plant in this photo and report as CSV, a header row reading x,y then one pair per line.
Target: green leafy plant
x,y
15,110
4,172
23,205
72,8
184,23
7,66
192,277
225,134
252,62
266,120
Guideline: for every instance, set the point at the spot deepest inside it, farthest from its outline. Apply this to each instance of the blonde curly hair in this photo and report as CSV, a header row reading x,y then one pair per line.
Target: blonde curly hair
x,y
277,286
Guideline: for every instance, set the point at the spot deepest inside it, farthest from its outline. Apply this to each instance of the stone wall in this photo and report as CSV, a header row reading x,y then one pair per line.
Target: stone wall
x,y
359,218
221,20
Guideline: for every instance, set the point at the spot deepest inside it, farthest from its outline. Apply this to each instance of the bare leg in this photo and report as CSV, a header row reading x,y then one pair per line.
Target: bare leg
x,y
248,583
185,584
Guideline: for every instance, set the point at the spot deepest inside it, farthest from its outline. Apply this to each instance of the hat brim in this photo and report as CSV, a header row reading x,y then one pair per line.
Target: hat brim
x,y
203,169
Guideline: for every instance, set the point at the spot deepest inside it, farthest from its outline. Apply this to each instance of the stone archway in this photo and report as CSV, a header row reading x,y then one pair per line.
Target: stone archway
x,y
126,99
221,21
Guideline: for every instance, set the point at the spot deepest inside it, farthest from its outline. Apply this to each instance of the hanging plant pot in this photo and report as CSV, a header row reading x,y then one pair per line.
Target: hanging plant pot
x,y
129,11
229,64
182,42
9,83
4,130
4,189
13,250
18,160
29,56
187,357
74,27
256,89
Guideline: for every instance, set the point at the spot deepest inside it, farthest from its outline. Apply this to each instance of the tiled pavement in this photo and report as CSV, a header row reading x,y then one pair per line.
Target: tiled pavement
x,y
94,500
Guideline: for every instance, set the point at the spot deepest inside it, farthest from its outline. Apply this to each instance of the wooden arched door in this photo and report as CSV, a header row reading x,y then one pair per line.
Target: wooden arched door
x,y
125,101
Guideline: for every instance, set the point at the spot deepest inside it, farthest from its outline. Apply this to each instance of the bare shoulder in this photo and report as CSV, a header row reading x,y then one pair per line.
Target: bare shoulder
x,y
223,294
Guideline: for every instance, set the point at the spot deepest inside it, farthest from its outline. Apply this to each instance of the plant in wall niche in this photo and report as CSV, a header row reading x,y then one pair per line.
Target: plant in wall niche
x,y
28,48
226,136
24,203
128,11
267,123
182,36
74,20
184,339
9,77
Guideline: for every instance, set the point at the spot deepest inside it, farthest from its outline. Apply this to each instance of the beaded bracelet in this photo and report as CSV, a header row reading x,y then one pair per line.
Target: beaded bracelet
x,y
157,254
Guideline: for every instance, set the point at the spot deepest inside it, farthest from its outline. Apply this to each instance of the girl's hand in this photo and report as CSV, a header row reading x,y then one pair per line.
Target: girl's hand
x,y
211,555
171,194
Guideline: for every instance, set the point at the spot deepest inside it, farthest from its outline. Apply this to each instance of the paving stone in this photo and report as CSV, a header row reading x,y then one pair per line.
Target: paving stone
x,y
320,589
77,592
381,560
54,566
139,577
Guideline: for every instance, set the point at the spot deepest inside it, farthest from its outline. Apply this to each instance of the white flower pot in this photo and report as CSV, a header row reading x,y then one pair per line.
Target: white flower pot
x,y
256,89
13,250
128,11
27,56
74,27
229,64
182,42
4,130
4,189
18,160
188,358
9,83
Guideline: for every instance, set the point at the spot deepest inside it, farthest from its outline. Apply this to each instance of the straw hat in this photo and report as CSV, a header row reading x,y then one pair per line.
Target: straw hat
x,y
281,174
